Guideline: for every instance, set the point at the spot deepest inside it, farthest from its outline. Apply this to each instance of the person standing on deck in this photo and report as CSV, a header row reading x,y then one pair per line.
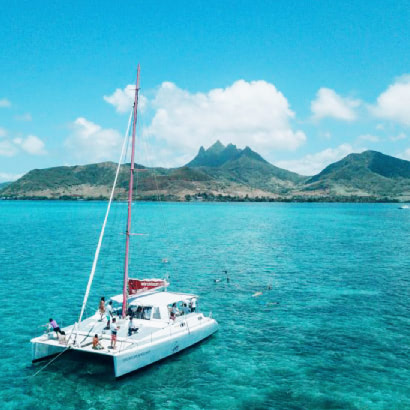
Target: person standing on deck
x,y
114,330
109,314
193,304
53,324
101,308
185,309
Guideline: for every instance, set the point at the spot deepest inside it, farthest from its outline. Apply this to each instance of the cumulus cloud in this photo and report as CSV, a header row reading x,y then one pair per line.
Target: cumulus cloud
x,y
6,176
245,113
5,103
330,104
10,147
90,142
123,99
312,164
32,145
394,103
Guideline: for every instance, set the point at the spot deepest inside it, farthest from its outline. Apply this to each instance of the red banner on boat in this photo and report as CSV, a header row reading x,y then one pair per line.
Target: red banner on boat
x,y
136,286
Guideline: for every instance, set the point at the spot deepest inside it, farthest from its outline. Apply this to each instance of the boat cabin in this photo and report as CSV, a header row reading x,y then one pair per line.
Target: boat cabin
x,y
158,306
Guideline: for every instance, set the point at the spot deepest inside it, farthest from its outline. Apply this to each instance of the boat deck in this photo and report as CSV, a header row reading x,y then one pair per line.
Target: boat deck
x,y
148,332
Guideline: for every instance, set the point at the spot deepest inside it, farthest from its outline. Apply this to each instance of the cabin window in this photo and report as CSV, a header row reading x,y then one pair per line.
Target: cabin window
x,y
146,312
156,314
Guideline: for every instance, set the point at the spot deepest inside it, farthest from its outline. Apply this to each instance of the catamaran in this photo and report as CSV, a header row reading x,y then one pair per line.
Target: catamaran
x,y
147,322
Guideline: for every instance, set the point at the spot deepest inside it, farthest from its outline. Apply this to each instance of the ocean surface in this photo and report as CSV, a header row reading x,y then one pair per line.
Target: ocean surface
x,y
333,332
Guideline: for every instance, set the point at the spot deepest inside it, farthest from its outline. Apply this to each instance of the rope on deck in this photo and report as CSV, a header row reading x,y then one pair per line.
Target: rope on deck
x,y
51,361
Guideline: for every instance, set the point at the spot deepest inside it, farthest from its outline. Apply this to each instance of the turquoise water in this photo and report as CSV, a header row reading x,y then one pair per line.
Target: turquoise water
x,y
332,333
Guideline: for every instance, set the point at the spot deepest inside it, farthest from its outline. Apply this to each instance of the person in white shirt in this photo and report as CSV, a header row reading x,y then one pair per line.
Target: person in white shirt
x,y
109,314
114,330
193,304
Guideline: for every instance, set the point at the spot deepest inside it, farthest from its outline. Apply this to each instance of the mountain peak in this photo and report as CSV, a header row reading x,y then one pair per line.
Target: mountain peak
x,y
217,147
218,154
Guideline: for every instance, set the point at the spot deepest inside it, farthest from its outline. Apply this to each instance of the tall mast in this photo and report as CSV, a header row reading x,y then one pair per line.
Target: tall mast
x,y
130,189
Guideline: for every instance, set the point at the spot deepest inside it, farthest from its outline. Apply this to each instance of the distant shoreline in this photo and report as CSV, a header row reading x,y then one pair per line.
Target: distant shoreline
x,y
353,200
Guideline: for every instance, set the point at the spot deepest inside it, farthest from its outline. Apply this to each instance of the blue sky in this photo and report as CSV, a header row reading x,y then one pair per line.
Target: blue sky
x,y
302,83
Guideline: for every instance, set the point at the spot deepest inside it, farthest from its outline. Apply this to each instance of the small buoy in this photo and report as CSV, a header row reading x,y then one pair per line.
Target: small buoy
x,y
217,280
165,260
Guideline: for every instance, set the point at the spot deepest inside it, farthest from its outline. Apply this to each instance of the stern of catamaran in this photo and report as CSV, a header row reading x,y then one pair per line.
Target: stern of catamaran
x,y
149,334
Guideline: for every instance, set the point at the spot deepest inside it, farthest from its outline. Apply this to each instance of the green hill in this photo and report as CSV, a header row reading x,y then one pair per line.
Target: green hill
x,y
4,184
370,173
224,173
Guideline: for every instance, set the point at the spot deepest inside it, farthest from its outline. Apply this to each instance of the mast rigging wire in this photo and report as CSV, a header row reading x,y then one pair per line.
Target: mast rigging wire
x,y
97,252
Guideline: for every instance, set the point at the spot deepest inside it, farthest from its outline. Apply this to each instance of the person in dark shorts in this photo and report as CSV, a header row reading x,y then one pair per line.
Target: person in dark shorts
x,y
114,330
53,324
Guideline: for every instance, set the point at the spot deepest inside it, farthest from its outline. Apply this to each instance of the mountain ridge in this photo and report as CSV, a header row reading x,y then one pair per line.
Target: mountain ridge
x,y
224,173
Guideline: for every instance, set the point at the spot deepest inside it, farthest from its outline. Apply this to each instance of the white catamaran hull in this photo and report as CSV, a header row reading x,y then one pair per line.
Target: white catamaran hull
x,y
132,354
137,358
40,350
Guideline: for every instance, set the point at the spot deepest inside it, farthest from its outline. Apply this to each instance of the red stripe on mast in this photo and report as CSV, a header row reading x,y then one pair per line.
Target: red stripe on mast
x,y
127,233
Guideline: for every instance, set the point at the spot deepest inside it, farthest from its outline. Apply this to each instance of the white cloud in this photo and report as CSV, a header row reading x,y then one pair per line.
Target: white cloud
x,y
10,147
7,148
5,103
330,104
6,177
398,137
369,137
32,145
394,103
24,117
405,154
90,142
123,100
245,113
312,164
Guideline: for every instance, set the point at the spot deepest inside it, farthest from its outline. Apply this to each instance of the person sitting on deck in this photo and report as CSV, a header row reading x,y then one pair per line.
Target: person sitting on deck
x,y
96,343
175,310
132,326
172,315
114,330
101,308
